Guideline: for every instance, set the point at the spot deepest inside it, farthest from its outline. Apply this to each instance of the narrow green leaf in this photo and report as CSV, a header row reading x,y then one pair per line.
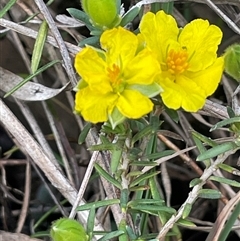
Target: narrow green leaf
x,y
129,16
209,194
98,204
46,66
115,159
38,46
91,221
204,139
225,181
145,201
225,122
154,208
229,169
228,226
107,176
217,150
84,133
230,112
195,182
122,226
187,209
139,188
78,14
157,155
131,234
172,114
102,147
143,177
143,163
7,7
185,223
201,149
124,199
111,235
146,131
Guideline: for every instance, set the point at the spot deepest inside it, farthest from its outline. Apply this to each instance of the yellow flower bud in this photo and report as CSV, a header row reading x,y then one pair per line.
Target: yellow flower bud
x,y
103,13
232,61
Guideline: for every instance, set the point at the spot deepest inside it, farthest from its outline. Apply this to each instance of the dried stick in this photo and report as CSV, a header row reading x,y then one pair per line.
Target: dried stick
x,y
62,47
32,148
192,196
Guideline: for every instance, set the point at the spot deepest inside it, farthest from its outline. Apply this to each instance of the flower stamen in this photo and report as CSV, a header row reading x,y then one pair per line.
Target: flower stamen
x,y
177,61
114,77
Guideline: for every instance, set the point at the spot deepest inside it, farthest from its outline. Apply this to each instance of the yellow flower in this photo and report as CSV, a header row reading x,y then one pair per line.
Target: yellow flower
x,y
191,70
116,82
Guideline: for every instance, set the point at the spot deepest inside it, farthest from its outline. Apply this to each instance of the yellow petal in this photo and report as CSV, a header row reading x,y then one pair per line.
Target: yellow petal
x,y
142,69
201,41
208,79
120,45
93,106
182,93
92,69
133,105
158,30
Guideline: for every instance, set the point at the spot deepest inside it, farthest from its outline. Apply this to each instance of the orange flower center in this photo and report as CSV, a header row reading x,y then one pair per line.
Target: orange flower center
x,y
115,79
177,61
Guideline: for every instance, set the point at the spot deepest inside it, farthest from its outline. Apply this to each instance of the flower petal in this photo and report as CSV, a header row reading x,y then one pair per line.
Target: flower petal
x,y
158,30
208,79
120,45
142,69
92,69
183,93
93,106
133,104
201,41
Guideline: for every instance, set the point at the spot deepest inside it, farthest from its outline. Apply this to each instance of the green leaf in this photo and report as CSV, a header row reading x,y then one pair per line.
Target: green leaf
x,y
229,169
107,176
78,14
115,159
7,7
225,181
102,147
124,198
228,226
147,90
153,208
209,194
157,155
97,204
225,122
116,118
145,201
172,114
187,209
146,131
143,163
217,150
31,76
195,182
91,221
143,177
111,235
38,46
202,149
130,15
204,139
230,112
89,41
186,223
68,229
84,133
